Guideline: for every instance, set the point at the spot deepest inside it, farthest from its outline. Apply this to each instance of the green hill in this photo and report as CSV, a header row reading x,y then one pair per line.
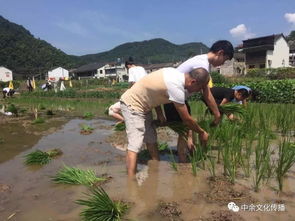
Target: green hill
x,y
24,54
150,51
21,52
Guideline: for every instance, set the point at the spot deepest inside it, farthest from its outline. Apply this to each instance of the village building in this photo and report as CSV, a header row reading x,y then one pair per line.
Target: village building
x,y
5,74
57,74
266,52
112,70
235,67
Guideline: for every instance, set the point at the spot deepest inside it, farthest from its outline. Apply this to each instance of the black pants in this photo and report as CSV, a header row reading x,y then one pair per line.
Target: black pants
x,y
172,114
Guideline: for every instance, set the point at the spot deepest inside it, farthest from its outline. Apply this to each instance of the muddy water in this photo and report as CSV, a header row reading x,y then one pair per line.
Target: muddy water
x,y
27,194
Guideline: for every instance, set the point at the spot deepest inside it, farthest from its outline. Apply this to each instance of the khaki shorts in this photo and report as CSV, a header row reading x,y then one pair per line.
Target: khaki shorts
x,y
139,128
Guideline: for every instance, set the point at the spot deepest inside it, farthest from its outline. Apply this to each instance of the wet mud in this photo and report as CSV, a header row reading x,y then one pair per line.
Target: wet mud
x,y
159,193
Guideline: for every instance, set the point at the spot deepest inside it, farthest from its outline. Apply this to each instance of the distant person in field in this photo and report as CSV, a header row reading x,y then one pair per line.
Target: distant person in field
x,y
29,83
244,101
135,72
160,87
219,52
7,92
224,95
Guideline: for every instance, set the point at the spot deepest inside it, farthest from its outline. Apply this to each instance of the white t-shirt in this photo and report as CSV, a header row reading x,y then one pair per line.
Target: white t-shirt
x,y
136,73
199,61
6,89
174,81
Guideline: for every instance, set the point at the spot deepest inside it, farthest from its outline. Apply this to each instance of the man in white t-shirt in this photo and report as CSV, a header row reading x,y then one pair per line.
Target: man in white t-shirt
x,y
160,87
219,52
135,72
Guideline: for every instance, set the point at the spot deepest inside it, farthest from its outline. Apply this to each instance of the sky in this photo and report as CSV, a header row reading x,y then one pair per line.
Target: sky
x,y
80,27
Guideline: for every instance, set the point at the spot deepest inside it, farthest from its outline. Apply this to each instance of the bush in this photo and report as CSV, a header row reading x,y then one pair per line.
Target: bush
x,y
272,73
217,78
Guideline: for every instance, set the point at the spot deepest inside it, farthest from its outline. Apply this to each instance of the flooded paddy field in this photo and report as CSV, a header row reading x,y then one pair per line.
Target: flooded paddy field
x,y
160,192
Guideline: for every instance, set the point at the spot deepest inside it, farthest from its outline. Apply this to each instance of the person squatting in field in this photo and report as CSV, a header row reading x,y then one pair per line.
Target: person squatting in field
x,y
7,92
160,87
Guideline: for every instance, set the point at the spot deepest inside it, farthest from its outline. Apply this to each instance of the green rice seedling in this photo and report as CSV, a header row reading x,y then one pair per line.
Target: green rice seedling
x,y
193,160
38,120
262,160
173,163
101,207
245,159
88,115
232,108
71,175
212,163
86,129
120,126
285,161
230,154
40,157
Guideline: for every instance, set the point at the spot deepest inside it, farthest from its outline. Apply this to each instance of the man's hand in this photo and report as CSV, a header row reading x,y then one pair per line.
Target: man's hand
x,y
203,136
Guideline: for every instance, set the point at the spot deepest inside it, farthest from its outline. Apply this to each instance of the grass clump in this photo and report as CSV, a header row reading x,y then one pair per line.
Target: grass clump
x,y
71,175
38,120
101,207
88,115
40,157
86,129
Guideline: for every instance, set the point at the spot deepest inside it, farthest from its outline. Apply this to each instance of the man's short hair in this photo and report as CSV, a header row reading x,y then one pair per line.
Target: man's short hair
x,y
200,74
224,45
130,61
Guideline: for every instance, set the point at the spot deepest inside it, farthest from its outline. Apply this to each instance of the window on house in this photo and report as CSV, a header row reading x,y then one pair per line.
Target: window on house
x,y
269,63
283,62
251,66
100,71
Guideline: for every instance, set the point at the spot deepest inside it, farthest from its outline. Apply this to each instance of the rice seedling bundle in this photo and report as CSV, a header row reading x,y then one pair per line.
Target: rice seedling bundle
x,y
71,175
231,108
40,157
101,207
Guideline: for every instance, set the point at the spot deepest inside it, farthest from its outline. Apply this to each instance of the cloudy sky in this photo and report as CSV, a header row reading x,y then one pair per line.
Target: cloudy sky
x,y
81,27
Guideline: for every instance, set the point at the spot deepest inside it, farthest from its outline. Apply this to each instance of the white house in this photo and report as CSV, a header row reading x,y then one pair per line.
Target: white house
x,y
58,73
116,71
266,52
5,74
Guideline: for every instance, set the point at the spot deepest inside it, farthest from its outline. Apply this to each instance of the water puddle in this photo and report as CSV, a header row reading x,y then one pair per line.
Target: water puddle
x,y
27,193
